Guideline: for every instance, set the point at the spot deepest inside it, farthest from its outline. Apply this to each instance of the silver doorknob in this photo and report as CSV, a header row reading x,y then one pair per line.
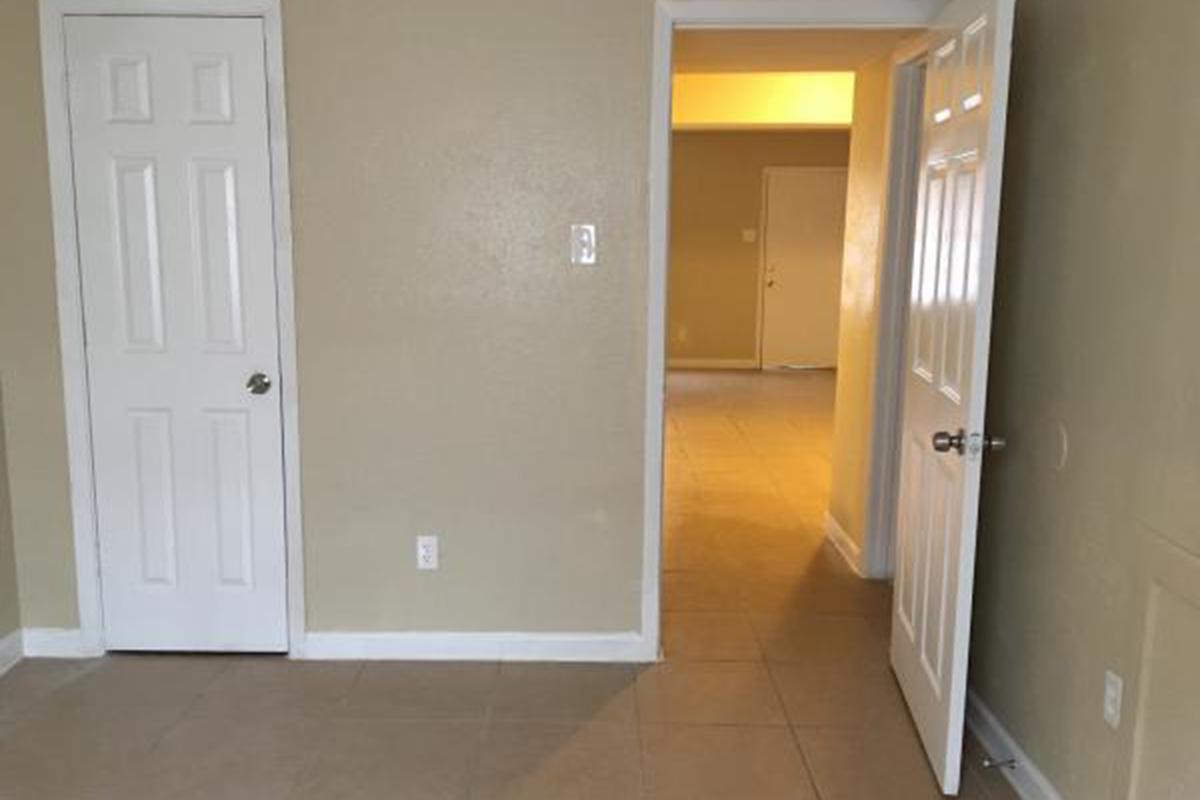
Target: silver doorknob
x,y
945,441
258,383
994,443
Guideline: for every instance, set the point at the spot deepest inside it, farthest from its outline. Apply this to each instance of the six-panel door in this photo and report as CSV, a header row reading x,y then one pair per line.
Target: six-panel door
x,y
173,197
945,390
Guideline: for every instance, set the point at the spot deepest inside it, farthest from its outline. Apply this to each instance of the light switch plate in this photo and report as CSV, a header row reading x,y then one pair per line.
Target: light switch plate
x,y
583,245
1114,687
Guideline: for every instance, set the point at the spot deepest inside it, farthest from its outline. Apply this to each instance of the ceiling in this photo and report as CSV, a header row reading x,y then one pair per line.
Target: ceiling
x,y
782,50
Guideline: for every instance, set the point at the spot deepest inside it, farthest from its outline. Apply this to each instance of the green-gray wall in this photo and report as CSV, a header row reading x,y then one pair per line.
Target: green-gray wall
x,y
1097,324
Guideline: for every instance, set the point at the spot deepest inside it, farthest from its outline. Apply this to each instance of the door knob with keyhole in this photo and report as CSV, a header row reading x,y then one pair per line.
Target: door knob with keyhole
x,y
258,383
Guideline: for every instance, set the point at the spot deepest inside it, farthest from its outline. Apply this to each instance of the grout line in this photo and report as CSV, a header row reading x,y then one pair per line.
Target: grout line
x,y
808,771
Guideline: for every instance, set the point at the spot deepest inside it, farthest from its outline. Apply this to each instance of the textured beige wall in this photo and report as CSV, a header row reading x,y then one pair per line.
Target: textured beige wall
x,y
10,602
858,325
29,358
457,376
1096,331
716,192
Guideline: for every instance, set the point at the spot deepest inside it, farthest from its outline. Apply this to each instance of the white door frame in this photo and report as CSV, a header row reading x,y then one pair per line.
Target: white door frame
x,y
760,320
672,14
70,292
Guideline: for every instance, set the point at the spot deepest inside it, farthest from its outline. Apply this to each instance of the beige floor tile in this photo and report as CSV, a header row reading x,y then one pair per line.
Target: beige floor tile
x,y
827,693
738,693
885,762
850,640
164,683
276,687
700,591
696,762
34,679
421,690
709,636
213,758
546,761
79,752
565,693
375,759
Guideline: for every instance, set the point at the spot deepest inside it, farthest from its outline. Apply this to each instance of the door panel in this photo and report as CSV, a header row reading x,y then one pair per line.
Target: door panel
x,y
173,195
949,321
802,253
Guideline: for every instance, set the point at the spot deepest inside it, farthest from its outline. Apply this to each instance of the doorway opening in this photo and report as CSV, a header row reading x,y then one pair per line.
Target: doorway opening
x,y
753,571
779,174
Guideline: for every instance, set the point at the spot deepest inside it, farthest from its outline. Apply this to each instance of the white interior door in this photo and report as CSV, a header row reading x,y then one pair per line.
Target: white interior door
x,y
949,328
173,199
804,232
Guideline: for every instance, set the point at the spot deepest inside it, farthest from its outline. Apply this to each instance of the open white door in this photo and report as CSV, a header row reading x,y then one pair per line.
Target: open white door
x,y
949,327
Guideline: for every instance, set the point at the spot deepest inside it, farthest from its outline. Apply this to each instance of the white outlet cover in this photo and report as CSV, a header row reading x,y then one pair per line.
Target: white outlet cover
x,y
1114,688
427,552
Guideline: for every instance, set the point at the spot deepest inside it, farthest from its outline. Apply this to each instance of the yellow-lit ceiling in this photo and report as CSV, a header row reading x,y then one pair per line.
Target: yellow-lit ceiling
x,y
768,100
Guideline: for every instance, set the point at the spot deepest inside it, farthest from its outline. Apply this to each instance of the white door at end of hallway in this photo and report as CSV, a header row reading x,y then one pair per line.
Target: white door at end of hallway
x,y
943,443
804,222
170,147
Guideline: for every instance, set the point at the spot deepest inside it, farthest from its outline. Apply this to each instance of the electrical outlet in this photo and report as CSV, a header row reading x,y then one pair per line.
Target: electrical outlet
x,y
427,552
1114,687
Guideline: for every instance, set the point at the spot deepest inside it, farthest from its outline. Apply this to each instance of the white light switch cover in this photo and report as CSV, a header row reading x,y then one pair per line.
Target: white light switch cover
x,y
583,245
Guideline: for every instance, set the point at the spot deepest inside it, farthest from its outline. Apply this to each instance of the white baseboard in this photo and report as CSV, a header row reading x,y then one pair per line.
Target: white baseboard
x,y
56,643
712,363
11,651
626,647
850,551
1026,779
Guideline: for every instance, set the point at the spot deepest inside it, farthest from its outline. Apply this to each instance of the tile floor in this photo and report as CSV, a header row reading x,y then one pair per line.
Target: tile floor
x,y
775,682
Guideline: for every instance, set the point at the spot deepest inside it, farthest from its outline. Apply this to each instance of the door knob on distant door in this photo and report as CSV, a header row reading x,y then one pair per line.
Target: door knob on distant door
x,y
258,383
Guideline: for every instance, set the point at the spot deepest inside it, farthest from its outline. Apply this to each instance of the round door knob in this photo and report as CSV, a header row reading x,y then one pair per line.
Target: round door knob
x,y
945,441
258,383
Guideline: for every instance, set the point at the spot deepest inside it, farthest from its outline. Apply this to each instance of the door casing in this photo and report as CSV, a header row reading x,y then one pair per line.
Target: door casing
x,y
90,640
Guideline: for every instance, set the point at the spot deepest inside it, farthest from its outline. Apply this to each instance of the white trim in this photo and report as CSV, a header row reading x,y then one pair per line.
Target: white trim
x,y
90,635
472,646
801,13
891,340
56,643
846,546
1026,778
11,650
668,15
712,363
